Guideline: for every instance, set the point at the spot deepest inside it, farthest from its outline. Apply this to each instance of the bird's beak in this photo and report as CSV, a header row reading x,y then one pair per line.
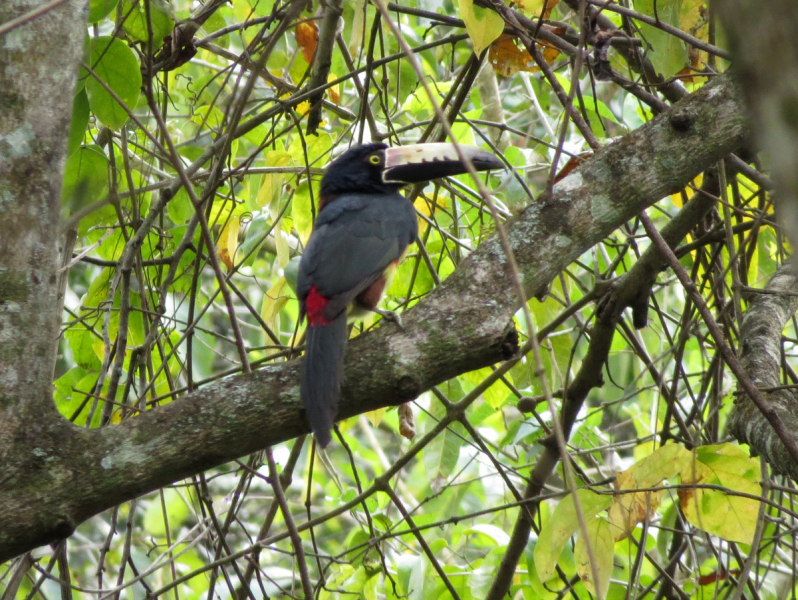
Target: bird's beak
x,y
422,162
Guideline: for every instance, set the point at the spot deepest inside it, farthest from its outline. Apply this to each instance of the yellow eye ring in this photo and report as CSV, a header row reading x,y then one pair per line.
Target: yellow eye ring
x,y
374,159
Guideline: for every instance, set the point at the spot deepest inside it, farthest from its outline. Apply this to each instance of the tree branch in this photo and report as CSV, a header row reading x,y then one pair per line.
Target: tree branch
x,y
761,356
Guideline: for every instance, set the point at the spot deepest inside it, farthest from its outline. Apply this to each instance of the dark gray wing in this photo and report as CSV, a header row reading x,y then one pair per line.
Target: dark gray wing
x,y
354,240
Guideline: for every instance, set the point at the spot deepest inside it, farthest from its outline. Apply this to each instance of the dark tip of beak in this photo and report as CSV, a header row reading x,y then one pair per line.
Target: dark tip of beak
x,y
486,161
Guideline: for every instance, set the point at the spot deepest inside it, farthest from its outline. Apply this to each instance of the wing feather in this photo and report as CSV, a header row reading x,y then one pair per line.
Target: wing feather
x,y
354,240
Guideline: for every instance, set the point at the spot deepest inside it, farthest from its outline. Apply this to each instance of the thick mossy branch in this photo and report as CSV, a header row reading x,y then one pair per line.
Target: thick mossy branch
x,y
761,355
60,475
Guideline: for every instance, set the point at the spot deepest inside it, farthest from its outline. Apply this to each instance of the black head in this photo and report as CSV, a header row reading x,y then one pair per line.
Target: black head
x,y
359,169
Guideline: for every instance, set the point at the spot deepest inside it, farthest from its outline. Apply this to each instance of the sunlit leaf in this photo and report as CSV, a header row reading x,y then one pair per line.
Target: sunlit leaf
x,y
273,302
301,212
536,7
375,416
227,244
728,516
483,25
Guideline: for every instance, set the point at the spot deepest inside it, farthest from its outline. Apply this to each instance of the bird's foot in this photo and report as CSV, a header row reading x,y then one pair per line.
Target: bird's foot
x,y
391,316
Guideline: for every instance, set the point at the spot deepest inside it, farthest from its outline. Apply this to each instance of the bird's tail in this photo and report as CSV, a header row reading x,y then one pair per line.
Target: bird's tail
x,y
322,372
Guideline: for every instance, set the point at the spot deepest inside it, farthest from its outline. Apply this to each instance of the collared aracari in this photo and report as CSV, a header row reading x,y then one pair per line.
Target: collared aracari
x,y
362,231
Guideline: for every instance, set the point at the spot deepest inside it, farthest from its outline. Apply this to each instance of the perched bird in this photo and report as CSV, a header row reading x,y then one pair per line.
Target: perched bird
x,y
362,231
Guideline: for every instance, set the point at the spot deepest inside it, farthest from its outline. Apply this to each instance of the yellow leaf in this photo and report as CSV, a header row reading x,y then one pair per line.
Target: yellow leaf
x,y
602,546
677,197
303,108
425,206
629,509
497,393
300,211
334,91
227,244
535,7
375,416
694,19
270,194
272,183
730,517
483,25
273,302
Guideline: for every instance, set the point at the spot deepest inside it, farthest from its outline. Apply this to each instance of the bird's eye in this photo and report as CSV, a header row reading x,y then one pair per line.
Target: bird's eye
x,y
374,159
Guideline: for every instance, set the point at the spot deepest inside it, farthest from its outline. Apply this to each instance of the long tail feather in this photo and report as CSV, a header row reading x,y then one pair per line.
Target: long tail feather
x,y
322,372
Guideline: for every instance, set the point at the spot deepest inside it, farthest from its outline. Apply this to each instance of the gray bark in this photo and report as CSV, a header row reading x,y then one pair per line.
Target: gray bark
x,y
38,67
761,355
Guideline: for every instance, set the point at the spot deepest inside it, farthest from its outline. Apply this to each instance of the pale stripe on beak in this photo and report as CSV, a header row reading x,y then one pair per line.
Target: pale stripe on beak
x,y
422,162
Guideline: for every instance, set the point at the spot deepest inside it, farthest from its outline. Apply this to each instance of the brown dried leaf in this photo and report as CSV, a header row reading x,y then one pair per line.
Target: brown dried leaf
x,y
508,58
407,424
628,510
307,37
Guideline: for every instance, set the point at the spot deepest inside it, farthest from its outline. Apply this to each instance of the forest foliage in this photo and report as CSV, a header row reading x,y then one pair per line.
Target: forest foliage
x,y
655,499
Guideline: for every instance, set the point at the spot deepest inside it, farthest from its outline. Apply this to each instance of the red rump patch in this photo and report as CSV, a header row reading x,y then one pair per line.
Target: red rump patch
x,y
315,304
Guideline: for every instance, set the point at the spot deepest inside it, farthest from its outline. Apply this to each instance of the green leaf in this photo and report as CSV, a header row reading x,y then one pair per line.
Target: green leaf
x,y
598,106
98,9
117,66
483,25
85,178
177,511
667,53
497,536
63,388
180,208
561,526
602,546
135,25
82,400
80,119
497,393
442,453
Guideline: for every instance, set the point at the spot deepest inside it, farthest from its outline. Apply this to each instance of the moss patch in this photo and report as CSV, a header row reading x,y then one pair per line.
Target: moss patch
x,y
14,287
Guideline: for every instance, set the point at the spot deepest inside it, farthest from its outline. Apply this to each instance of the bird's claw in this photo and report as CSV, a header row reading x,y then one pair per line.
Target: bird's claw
x,y
391,316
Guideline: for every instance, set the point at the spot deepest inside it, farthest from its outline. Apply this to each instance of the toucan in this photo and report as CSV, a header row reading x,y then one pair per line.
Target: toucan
x,y
363,228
